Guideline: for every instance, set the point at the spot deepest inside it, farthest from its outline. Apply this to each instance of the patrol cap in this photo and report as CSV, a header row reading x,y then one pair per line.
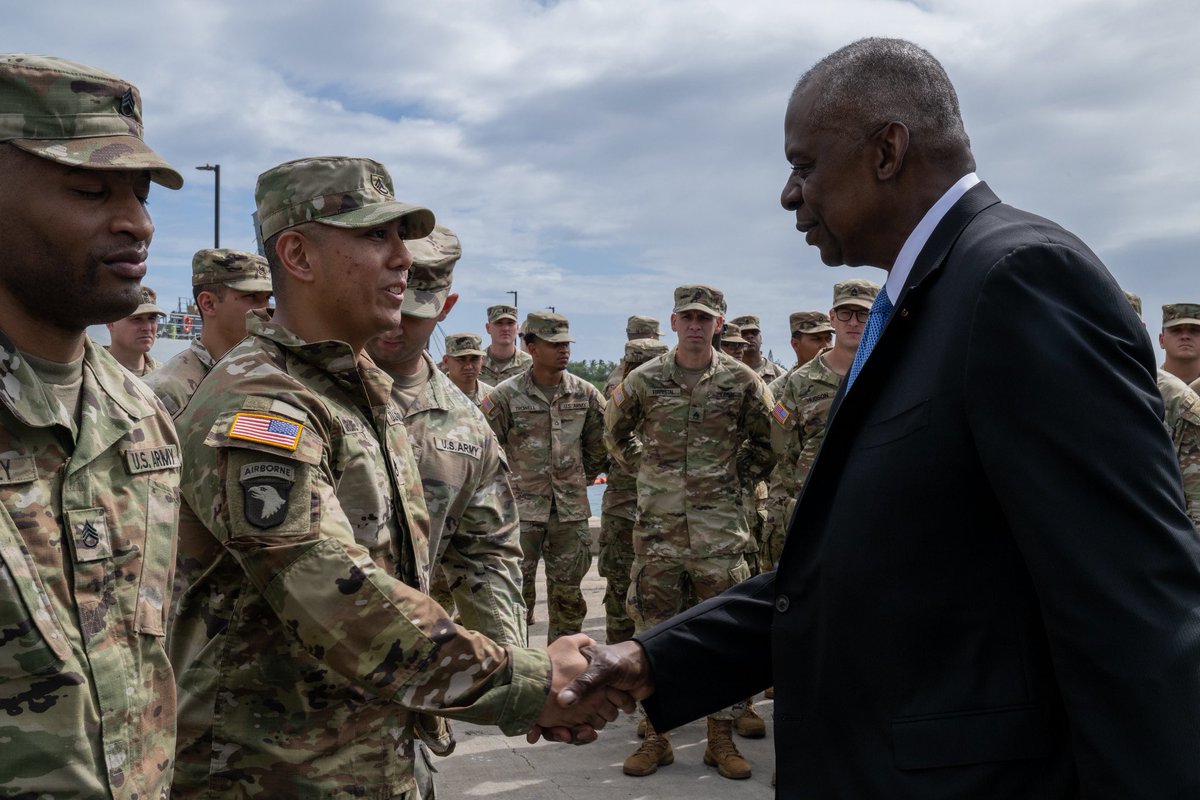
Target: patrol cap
x,y
502,311
732,334
1134,301
699,298
431,273
809,322
855,292
547,326
464,344
748,322
639,351
76,115
333,190
1181,314
638,327
237,269
149,304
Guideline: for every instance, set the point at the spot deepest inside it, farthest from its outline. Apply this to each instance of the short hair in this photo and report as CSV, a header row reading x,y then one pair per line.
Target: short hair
x,y
875,81
219,289
529,338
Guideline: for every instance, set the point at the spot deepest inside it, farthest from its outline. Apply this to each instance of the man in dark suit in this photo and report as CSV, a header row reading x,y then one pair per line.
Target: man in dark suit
x,y
990,588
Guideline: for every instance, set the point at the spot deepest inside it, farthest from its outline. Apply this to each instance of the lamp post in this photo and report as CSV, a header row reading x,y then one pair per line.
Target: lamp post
x,y
216,170
514,294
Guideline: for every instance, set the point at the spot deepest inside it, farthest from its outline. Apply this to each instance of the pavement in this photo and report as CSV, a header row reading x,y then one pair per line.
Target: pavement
x,y
488,764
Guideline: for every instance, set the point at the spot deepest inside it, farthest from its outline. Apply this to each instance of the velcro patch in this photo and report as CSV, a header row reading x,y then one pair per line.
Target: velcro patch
x,y
454,446
266,488
151,459
266,429
487,406
618,394
669,391
780,413
17,469
577,405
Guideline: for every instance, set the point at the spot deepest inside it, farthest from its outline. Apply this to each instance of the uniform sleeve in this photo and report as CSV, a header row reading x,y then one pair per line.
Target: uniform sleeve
x,y
272,505
754,456
595,455
482,561
1186,437
622,420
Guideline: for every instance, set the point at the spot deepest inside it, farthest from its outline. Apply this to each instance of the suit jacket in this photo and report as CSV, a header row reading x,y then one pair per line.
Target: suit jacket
x,y
990,588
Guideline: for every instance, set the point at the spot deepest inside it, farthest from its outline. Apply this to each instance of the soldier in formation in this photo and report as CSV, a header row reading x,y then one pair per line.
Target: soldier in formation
x,y
1180,340
636,327
732,343
503,359
131,337
462,363
751,330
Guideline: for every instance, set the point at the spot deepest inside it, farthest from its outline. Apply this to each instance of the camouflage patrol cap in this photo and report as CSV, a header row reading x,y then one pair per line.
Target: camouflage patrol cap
x,y
700,298
464,344
237,269
547,326
1134,301
76,115
639,351
855,292
638,327
732,334
333,190
431,273
1181,314
747,322
502,312
809,322
149,304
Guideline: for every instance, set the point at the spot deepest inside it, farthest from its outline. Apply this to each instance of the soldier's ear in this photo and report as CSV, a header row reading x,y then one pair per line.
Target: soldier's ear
x,y
296,253
451,300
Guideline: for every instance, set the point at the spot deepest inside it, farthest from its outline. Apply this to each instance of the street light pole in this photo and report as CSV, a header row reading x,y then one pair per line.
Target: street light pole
x,y
515,305
216,170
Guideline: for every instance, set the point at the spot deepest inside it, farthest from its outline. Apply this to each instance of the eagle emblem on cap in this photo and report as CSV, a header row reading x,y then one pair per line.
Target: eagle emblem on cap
x,y
380,185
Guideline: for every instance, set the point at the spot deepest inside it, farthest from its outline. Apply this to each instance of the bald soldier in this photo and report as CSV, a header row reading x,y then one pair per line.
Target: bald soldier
x,y
551,425
636,327
226,285
131,337
305,647
462,363
1180,340
693,426
503,359
752,355
89,462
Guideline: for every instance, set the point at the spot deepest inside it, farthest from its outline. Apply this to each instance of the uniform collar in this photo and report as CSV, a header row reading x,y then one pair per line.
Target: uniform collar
x,y
671,366
434,395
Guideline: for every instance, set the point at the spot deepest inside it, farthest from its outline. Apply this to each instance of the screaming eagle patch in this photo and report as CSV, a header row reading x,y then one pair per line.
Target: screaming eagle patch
x,y
266,487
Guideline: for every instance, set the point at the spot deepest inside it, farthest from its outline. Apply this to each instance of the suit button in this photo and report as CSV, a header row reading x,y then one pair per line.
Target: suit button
x,y
782,603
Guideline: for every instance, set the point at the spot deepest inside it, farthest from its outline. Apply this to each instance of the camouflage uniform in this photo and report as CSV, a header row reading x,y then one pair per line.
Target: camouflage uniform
x,y
556,450
494,371
175,381
149,305
618,513
767,369
88,503
636,327
468,344
1182,418
482,390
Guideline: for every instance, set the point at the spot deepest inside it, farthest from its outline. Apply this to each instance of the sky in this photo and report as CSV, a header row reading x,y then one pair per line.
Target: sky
x,y
594,154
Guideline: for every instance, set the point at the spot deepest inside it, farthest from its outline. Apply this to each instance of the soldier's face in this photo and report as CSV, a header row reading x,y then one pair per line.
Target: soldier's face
x,y
732,349
503,331
753,339
464,370
403,345
75,240
550,356
1181,342
847,333
136,333
696,329
228,313
807,345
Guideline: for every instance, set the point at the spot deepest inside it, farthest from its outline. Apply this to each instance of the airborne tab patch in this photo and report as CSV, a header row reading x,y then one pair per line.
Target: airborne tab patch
x,y
266,429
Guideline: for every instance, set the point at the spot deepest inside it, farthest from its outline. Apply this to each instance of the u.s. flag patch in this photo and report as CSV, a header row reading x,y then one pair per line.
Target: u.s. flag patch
x,y
266,429
780,413
487,405
618,394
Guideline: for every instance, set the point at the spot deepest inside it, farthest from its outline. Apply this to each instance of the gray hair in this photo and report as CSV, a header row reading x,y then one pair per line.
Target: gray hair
x,y
874,81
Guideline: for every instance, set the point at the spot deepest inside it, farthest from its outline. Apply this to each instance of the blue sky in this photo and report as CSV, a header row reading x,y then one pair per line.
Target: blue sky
x,y
594,154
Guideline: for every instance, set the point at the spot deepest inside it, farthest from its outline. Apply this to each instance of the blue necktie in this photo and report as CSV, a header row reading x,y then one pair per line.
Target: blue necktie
x,y
880,311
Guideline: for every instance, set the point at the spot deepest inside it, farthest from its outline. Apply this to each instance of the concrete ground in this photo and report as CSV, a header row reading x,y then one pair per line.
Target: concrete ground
x,y
489,764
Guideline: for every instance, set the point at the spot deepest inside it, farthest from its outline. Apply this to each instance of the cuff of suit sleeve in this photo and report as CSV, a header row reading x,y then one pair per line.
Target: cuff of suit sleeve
x,y
527,692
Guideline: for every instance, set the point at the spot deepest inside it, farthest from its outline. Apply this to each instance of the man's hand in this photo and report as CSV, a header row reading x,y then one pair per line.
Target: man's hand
x,y
578,721
622,667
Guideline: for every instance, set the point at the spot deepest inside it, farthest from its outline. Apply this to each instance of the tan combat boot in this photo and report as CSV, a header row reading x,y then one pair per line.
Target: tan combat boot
x,y
722,753
749,724
651,754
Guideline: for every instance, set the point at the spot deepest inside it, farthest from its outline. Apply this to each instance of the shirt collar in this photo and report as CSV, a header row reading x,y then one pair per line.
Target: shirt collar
x,y
898,276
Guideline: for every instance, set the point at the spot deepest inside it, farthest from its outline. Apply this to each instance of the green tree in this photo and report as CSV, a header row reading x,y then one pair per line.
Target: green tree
x,y
594,372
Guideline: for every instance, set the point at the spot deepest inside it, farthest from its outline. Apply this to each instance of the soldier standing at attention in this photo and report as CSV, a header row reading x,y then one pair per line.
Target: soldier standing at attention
x,y
618,512
803,398
751,330
462,363
474,534
132,337
503,359
304,646
226,284
732,343
1180,339
551,425
636,327
89,471
811,333
694,426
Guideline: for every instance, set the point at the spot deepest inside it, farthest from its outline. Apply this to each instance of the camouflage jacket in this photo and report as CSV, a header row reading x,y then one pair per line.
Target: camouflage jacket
x,y
556,449
302,640
86,536
694,452
482,390
768,370
494,371
149,365
1182,418
175,381
474,533
802,402
620,492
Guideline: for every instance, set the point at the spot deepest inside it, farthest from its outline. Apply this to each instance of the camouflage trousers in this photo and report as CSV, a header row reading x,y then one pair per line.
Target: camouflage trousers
x,y
439,589
779,510
661,588
616,561
566,547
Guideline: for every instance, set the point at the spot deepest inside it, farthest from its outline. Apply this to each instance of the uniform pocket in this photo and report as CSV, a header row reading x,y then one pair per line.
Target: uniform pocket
x,y
31,640
158,558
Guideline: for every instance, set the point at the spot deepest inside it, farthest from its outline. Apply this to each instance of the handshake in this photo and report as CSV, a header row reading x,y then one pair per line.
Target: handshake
x,y
591,683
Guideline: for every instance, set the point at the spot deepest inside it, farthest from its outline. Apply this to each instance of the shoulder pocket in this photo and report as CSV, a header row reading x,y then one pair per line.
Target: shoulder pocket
x,y
30,634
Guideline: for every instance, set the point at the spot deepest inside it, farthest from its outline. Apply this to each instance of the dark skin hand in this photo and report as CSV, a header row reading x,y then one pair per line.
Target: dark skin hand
x,y
619,673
